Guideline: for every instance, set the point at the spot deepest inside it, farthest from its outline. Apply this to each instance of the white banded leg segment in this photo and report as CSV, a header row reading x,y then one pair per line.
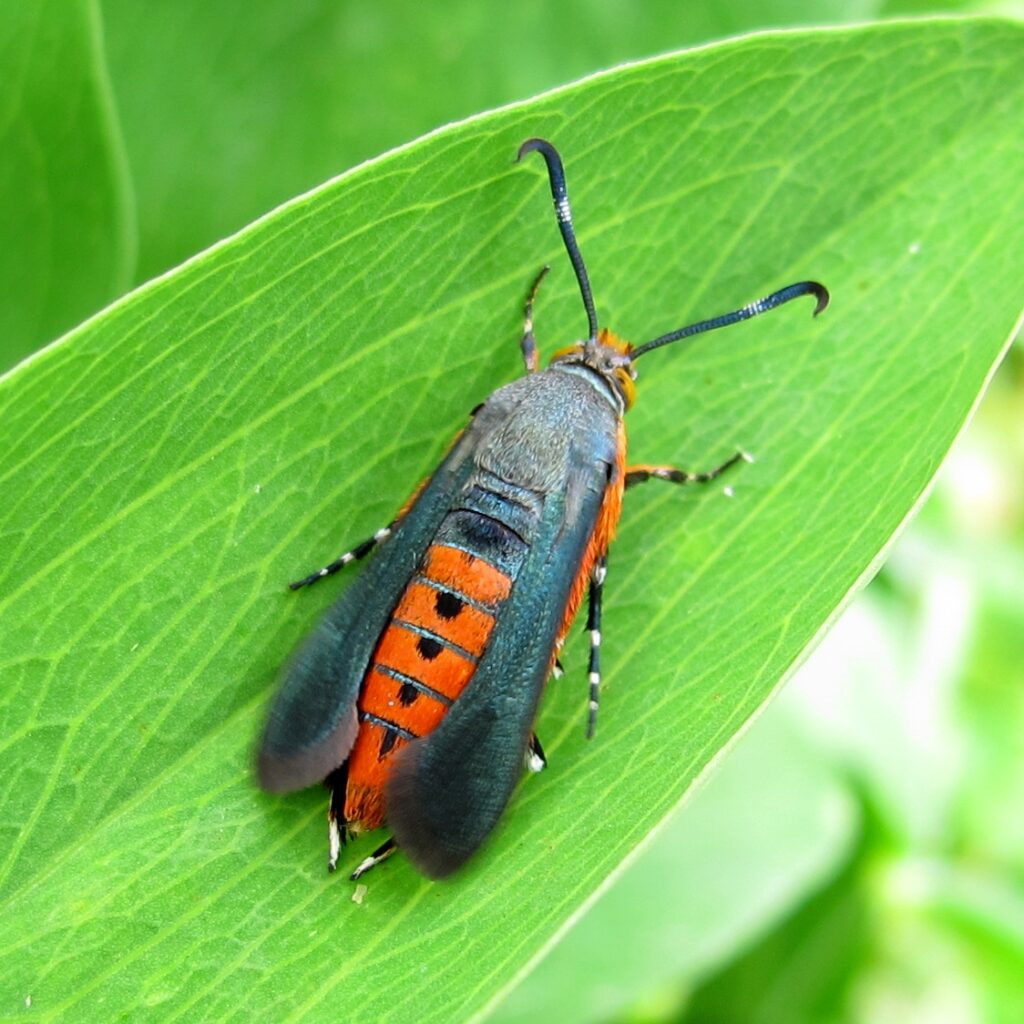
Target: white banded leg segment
x,y
381,853
337,829
529,342
358,552
535,759
641,474
594,628
335,841
558,669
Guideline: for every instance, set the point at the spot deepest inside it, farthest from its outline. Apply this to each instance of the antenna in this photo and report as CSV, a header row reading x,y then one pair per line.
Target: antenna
x,y
556,173
783,295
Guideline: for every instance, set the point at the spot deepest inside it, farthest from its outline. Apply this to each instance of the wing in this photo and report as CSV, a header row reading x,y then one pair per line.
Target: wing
x,y
313,722
448,790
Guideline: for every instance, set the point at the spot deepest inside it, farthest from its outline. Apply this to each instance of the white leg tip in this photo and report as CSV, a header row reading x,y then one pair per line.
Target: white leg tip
x,y
334,839
363,867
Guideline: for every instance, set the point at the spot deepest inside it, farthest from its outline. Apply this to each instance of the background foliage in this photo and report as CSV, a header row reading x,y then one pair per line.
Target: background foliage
x,y
858,857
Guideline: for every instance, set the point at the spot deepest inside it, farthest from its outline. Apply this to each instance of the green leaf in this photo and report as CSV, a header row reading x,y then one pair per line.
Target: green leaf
x,y
768,828
172,463
266,100
66,223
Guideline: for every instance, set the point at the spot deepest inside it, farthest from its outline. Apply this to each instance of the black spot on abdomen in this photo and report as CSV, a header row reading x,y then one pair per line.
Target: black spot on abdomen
x,y
387,743
428,647
447,604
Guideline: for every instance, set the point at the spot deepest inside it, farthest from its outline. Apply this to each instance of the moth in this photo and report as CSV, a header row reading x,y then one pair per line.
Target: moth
x,y
416,696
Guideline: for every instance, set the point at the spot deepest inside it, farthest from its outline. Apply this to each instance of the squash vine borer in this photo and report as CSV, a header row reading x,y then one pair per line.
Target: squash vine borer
x,y
415,698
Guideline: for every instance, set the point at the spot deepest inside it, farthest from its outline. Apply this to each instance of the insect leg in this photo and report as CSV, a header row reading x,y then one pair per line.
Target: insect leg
x,y
594,627
381,853
640,474
535,758
337,827
359,551
529,342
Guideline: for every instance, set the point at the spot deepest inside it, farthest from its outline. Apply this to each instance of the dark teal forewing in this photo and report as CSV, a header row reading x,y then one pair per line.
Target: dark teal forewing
x,y
313,723
448,790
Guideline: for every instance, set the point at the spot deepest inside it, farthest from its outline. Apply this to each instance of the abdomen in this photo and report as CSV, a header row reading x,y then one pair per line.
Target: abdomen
x,y
437,634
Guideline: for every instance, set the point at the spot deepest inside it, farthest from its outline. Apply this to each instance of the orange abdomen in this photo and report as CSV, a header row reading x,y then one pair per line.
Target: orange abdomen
x,y
423,661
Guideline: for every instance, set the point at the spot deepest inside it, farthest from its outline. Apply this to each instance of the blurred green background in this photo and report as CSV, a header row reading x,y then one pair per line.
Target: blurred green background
x,y
860,855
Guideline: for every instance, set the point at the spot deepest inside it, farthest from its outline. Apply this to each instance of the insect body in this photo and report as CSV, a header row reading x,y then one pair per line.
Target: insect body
x,y
415,698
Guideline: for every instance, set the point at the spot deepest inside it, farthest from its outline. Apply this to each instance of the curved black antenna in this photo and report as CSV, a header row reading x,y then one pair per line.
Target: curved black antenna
x,y
793,291
556,173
